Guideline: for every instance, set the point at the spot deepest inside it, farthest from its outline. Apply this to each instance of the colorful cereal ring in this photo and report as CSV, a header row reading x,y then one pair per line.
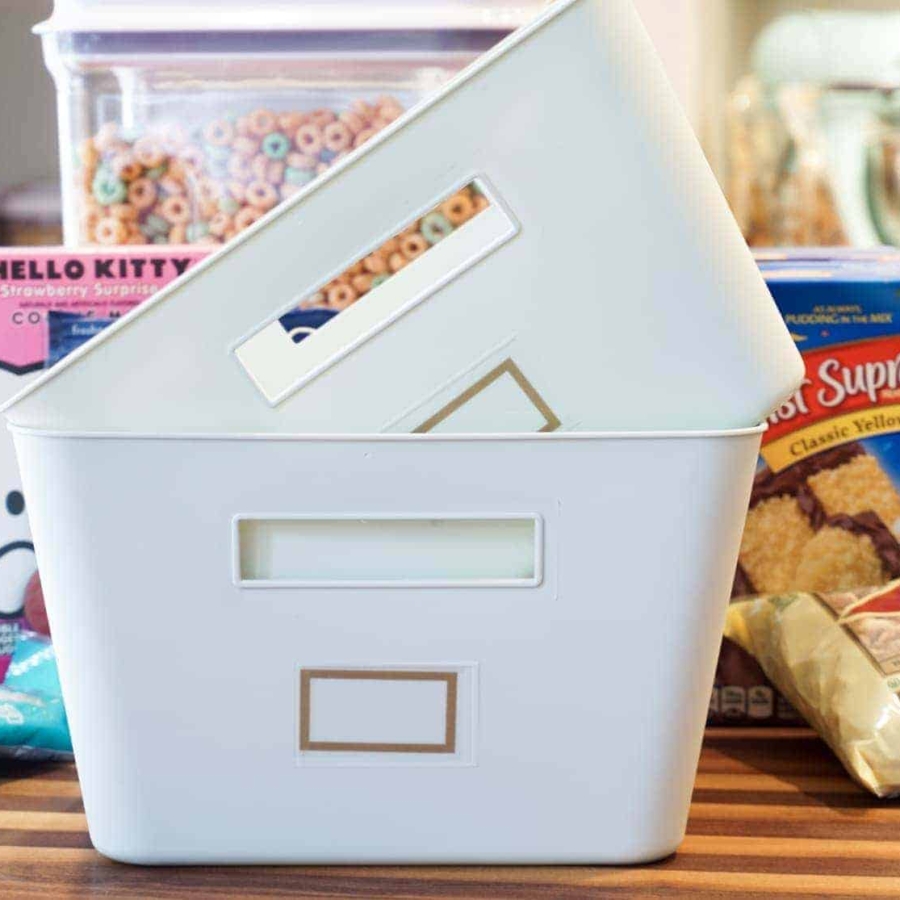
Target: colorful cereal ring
x,y
196,231
375,264
239,169
259,165
322,117
142,193
106,136
308,139
149,153
301,161
191,157
390,111
219,133
435,227
124,212
108,189
397,261
111,231
155,226
261,122
87,155
274,173
353,121
365,135
220,224
246,217
362,284
176,210
291,121
276,145
126,167
337,137
261,195
458,209
413,245
340,296
298,176
237,190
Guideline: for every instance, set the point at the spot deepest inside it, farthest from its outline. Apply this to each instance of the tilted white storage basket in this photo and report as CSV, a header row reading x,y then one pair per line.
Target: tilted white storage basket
x,y
278,647
608,269
582,664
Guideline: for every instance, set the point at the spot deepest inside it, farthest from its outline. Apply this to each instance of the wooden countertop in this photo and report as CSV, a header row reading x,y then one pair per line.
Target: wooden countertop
x,y
773,814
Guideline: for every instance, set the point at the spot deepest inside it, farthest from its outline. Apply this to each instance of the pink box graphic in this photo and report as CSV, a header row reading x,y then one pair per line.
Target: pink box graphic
x,y
98,283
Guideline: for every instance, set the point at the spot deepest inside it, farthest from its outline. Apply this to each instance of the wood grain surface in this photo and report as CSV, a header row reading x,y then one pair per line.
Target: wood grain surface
x,y
773,815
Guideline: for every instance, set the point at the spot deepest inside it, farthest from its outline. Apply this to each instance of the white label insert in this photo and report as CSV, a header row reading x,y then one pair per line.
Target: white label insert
x,y
378,711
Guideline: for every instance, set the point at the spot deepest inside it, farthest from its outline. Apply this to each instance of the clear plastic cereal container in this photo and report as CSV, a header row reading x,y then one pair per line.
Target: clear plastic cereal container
x,y
185,122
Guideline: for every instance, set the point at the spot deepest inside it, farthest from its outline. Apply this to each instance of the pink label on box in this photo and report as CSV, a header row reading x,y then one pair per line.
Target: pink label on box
x,y
96,283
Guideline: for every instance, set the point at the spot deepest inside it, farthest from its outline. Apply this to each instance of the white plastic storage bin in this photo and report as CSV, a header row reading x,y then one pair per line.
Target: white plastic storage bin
x,y
277,647
173,110
543,703
613,292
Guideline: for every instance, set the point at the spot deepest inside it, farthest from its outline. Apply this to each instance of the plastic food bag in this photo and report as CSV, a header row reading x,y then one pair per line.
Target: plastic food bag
x,y
33,722
836,657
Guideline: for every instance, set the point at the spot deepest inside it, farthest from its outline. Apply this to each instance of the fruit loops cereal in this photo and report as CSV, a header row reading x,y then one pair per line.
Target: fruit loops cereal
x,y
376,268
178,184
825,506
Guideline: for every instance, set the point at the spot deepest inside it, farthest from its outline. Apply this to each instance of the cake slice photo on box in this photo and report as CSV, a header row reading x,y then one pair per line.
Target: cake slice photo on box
x,y
824,524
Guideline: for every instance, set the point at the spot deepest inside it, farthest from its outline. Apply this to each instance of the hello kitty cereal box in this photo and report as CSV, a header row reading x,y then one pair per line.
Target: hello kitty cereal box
x,y
83,290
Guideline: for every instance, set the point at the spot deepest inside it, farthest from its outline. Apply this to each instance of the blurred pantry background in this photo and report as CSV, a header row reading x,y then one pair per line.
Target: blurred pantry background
x,y
798,111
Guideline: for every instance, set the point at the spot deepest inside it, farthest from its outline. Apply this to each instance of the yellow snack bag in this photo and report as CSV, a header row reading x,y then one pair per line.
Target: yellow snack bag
x,y
836,658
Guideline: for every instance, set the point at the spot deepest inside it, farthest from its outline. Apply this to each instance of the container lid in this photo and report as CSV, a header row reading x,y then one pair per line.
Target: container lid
x,y
284,15
596,281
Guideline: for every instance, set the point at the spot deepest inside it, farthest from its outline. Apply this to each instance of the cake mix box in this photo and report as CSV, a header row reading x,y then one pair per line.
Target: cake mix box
x,y
51,301
825,508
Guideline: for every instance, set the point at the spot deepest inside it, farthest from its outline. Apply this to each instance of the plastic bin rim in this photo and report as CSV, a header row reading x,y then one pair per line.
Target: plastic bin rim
x,y
510,438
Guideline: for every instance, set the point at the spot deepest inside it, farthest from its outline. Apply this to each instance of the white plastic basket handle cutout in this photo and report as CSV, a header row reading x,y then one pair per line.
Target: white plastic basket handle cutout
x,y
281,359
377,551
